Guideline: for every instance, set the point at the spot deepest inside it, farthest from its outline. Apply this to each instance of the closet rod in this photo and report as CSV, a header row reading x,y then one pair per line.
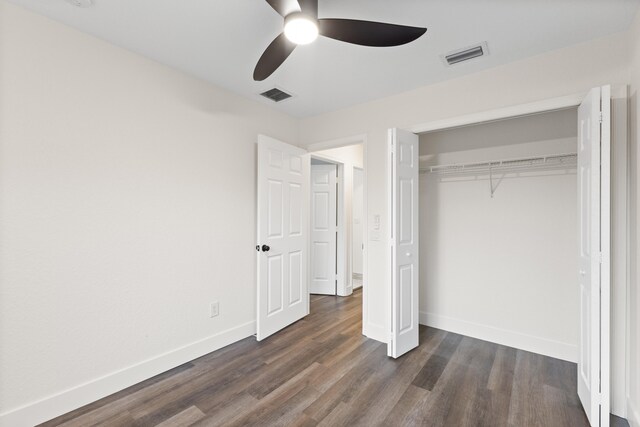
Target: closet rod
x,y
540,162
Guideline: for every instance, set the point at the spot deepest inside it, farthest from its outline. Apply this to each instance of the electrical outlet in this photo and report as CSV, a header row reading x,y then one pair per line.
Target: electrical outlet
x,y
214,309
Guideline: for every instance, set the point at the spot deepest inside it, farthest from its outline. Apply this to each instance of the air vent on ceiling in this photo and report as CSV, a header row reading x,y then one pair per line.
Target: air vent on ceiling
x,y
276,95
466,54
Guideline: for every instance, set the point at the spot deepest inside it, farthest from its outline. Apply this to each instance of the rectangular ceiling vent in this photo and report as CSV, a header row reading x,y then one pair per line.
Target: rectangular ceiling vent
x,y
466,54
276,95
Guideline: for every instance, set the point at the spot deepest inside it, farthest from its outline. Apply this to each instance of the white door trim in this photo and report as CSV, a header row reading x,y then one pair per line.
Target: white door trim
x,y
364,231
338,143
543,106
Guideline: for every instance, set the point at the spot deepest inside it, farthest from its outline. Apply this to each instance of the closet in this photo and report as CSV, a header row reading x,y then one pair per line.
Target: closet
x,y
498,232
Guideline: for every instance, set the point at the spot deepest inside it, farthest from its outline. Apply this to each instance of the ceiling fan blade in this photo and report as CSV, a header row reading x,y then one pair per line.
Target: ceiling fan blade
x,y
309,7
284,7
277,52
368,33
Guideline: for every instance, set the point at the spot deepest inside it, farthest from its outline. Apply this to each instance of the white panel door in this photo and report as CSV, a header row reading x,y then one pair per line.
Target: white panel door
x,y
403,172
323,229
594,249
282,202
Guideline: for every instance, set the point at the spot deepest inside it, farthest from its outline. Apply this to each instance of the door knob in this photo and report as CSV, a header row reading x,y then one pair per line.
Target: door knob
x,y
265,248
582,272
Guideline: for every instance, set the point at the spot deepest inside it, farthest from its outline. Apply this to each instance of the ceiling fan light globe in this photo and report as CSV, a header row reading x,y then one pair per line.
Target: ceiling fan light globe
x,y
300,29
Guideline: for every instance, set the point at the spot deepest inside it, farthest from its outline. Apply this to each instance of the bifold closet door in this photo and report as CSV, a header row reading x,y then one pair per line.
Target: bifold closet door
x,y
403,167
594,197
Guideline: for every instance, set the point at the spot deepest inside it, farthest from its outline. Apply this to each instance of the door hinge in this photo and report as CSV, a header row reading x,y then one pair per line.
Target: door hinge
x,y
602,258
600,117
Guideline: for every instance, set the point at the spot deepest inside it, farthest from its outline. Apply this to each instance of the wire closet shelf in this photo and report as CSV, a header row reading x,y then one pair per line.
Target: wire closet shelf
x,y
556,161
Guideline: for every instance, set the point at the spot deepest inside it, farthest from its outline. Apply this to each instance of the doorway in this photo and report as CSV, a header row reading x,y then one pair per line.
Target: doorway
x,y
283,228
337,220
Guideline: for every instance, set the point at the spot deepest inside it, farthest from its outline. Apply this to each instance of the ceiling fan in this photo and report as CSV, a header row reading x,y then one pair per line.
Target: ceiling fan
x,y
302,26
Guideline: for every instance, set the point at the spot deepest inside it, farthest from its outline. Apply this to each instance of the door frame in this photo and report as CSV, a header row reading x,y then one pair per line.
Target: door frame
x,y
344,142
620,261
342,286
364,230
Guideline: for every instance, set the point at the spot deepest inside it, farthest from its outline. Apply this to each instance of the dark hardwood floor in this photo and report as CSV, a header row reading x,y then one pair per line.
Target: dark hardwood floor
x,y
322,371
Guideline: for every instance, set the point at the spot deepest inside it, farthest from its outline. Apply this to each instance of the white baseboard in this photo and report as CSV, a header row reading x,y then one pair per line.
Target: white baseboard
x,y
506,337
633,414
76,397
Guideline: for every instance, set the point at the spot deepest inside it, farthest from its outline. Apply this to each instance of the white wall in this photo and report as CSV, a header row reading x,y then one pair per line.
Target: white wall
x,y
502,269
633,355
352,154
349,156
565,71
126,205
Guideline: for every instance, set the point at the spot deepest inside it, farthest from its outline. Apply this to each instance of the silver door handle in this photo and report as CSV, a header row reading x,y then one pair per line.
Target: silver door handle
x,y
408,254
582,272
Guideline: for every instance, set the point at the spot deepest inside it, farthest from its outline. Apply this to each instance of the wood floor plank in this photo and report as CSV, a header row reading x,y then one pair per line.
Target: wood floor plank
x,y
500,385
502,371
339,416
287,409
527,397
209,382
342,391
184,418
322,371
432,370
233,409
560,374
291,388
275,376
406,411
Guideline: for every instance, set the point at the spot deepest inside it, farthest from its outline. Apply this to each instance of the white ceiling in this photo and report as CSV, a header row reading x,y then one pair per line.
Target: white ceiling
x,y
221,40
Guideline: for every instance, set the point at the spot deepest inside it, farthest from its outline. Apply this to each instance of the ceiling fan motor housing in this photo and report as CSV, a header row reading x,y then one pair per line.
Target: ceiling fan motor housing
x,y
300,28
